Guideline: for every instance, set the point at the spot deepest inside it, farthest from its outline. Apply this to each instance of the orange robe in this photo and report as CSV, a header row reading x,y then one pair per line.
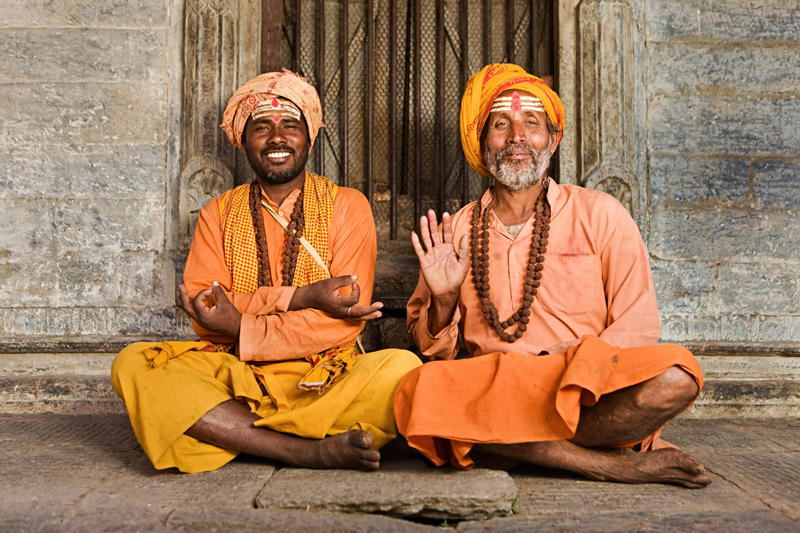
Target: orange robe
x,y
268,332
596,286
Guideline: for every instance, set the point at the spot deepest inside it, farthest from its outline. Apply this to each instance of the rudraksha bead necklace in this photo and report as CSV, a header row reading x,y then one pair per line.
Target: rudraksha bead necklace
x,y
479,254
293,233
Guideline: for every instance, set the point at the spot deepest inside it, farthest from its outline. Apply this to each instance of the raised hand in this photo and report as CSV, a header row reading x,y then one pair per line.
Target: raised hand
x,y
212,309
324,295
443,268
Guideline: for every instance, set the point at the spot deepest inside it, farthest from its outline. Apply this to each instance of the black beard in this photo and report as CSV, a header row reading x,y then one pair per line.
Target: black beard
x,y
278,178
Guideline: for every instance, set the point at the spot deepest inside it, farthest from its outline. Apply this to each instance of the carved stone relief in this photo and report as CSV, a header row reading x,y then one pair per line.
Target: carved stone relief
x,y
607,151
221,51
203,178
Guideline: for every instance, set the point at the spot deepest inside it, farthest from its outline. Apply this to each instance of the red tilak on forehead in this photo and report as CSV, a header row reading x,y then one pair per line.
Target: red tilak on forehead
x,y
276,118
516,105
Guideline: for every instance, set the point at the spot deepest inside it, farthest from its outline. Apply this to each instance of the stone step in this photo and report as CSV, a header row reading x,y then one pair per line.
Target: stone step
x,y
94,394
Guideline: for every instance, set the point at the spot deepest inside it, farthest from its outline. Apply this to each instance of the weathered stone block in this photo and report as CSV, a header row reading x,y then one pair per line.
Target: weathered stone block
x,y
92,13
684,287
33,364
125,321
83,113
730,328
723,70
688,20
28,226
146,279
47,56
88,278
110,224
28,279
723,234
748,368
402,487
18,394
759,288
80,171
24,321
727,126
714,182
159,321
775,183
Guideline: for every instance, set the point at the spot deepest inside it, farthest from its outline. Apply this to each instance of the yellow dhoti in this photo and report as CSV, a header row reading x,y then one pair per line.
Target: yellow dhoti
x,y
164,401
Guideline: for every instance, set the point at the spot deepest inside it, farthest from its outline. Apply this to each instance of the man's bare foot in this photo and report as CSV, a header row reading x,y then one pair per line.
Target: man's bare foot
x,y
659,466
348,450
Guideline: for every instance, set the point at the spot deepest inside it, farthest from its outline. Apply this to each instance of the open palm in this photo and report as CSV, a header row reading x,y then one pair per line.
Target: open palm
x,y
443,268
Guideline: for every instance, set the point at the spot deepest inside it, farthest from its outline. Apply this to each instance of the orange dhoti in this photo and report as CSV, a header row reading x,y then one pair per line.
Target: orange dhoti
x,y
443,408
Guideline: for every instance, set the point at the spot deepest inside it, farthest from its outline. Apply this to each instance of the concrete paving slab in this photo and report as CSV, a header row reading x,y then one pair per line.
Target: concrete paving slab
x,y
402,487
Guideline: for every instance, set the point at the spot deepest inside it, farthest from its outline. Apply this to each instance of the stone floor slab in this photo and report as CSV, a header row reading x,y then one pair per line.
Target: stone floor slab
x,y
402,487
252,520
693,435
544,492
773,479
140,494
707,522
780,431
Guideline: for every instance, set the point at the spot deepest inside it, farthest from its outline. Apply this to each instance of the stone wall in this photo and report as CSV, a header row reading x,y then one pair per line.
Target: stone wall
x,y
695,125
87,168
723,141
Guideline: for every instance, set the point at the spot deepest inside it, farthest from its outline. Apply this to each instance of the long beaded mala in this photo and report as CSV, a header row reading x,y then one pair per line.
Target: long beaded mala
x,y
291,247
479,253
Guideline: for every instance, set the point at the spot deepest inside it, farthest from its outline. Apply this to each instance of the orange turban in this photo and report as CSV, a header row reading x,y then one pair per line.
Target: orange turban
x,y
483,88
286,84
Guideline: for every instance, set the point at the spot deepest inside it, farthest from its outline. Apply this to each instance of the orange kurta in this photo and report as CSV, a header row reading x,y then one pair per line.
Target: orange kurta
x,y
596,286
268,332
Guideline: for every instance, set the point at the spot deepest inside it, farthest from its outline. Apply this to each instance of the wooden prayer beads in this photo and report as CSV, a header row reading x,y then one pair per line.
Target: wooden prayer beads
x,y
479,255
292,245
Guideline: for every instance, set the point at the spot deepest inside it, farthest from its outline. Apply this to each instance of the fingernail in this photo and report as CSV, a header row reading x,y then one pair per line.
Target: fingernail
x,y
355,277
215,283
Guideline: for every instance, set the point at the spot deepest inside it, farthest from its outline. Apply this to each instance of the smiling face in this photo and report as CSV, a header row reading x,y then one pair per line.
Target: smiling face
x,y
276,147
517,144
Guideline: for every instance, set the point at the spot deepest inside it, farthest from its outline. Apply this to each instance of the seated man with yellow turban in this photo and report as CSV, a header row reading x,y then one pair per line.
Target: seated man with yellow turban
x,y
278,283
550,287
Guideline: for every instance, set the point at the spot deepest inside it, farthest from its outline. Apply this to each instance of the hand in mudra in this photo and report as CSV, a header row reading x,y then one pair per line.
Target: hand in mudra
x,y
212,309
324,295
443,267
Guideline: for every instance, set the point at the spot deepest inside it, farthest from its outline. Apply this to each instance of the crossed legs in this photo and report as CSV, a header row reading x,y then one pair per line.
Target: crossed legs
x,y
626,415
230,425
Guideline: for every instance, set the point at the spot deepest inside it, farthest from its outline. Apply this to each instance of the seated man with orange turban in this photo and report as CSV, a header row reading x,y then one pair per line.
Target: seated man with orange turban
x,y
550,287
275,372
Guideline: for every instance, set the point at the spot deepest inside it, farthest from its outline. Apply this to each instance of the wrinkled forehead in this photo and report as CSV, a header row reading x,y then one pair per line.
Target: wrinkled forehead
x,y
516,100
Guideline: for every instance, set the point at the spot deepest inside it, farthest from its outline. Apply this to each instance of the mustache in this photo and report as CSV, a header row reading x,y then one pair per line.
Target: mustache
x,y
508,149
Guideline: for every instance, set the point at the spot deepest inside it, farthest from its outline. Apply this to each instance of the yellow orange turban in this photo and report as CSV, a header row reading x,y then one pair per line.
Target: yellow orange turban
x,y
285,84
483,88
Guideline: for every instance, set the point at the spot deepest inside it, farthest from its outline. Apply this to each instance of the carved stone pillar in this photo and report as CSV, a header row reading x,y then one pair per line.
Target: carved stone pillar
x,y
602,85
221,51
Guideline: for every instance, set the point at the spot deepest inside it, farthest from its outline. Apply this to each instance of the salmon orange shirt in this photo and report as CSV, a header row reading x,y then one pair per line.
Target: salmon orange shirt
x,y
596,280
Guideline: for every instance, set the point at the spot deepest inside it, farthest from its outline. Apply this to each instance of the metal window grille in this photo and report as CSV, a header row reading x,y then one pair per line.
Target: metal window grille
x,y
391,74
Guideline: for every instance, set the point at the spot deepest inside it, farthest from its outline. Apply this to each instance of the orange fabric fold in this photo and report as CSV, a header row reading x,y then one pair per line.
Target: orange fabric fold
x,y
444,407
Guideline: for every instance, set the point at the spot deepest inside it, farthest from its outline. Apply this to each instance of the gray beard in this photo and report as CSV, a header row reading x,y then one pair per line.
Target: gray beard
x,y
517,176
